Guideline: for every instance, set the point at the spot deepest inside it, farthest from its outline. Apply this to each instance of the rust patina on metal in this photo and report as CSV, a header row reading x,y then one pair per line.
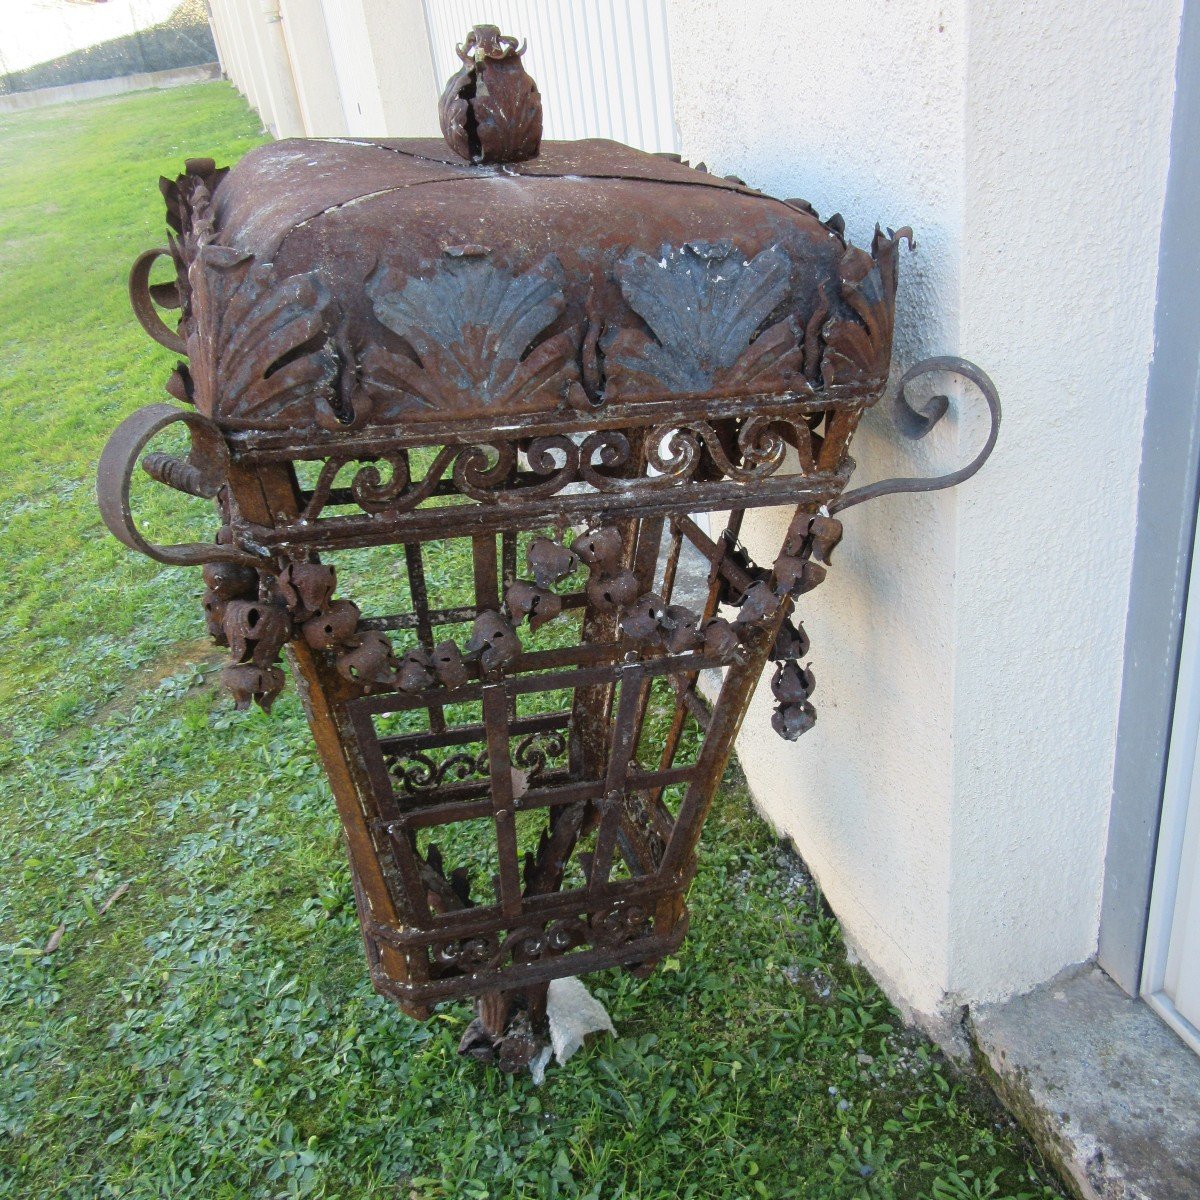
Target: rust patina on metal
x,y
560,352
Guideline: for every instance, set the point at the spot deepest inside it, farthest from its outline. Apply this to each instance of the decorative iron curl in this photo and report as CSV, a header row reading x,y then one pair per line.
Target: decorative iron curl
x,y
916,423
673,451
205,471
143,296
466,953
478,477
535,750
369,490
539,453
612,448
417,772
399,494
530,943
761,447
620,924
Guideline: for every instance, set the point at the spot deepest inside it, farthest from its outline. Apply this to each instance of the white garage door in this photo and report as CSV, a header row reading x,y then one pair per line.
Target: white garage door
x,y
1171,978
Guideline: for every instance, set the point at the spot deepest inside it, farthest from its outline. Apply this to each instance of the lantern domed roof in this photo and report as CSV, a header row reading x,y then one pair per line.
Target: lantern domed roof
x,y
328,284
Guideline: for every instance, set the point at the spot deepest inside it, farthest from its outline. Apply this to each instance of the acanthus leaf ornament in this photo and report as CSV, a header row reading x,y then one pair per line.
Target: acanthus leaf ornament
x,y
858,348
260,347
260,351
707,309
189,219
474,331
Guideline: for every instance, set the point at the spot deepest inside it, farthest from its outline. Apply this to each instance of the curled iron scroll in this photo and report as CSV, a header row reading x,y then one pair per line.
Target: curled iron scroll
x,y
203,473
916,423
143,295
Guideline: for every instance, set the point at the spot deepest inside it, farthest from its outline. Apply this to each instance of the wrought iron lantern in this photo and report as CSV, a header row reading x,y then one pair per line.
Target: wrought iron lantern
x,y
545,362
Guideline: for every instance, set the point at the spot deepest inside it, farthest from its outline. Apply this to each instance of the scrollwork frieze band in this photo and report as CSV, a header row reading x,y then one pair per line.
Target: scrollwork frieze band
x,y
417,772
519,469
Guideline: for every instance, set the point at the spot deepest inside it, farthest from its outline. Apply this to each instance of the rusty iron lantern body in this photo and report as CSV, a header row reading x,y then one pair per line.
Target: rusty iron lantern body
x,y
398,343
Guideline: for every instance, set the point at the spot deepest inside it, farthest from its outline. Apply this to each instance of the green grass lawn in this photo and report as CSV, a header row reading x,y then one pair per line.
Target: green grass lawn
x,y
213,1033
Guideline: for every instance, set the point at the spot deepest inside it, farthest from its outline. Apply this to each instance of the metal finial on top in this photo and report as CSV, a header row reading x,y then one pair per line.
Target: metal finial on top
x,y
491,111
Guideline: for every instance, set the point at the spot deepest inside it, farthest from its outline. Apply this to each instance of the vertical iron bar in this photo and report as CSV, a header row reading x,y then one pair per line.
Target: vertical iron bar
x,y
415,562
495,719
672,564
508,565
508,558
645,560
487,583
634,681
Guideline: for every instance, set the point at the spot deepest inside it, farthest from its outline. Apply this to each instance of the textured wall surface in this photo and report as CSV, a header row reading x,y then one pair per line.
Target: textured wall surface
x,y
403,66
953,797
1066,156
862,115
317,91
350,48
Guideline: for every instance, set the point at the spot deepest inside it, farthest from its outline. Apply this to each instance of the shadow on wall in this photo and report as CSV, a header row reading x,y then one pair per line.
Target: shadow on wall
x,y
184,39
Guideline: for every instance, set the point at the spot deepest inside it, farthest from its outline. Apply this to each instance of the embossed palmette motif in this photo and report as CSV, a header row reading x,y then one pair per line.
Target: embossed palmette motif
x,y
260,351
707,309
474,331
858,346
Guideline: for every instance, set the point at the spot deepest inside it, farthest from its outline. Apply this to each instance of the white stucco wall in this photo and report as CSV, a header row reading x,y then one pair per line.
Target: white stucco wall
x,y
953,797
848,119
324,68
286,116
350,49
1065,162
402,67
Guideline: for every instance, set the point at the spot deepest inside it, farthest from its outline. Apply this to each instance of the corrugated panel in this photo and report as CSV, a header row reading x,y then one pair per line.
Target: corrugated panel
x,y
603,66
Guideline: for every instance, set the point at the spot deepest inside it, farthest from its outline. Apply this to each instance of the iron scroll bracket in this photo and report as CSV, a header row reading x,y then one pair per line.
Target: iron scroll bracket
x,y
201,474
143,296
917,422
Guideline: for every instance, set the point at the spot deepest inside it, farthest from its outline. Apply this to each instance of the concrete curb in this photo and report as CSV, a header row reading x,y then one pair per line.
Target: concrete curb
x,y
93,88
